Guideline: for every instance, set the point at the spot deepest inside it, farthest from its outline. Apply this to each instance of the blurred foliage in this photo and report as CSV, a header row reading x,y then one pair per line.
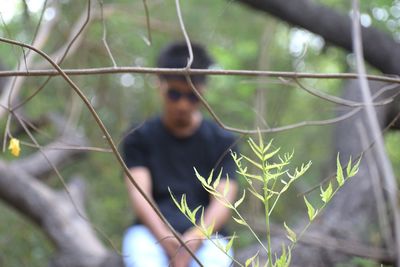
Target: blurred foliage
x,y
360,262
235,36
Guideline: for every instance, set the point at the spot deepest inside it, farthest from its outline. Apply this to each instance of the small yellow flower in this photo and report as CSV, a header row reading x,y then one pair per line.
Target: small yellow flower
x,y
14,147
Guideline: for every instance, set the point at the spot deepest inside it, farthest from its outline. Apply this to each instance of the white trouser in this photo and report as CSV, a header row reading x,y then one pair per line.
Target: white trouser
x,y
141,249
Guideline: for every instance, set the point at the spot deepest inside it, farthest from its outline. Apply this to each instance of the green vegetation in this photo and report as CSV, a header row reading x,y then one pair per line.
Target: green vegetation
x,y
274,178
121,99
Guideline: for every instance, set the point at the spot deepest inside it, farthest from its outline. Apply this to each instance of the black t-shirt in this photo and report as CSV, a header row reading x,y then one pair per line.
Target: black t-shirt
x,y
171,162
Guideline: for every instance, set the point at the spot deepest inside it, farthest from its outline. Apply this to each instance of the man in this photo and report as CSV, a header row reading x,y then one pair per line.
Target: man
x,y
161,154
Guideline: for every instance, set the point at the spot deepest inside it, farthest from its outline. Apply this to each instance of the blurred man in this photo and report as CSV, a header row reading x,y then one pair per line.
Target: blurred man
x,y
162,153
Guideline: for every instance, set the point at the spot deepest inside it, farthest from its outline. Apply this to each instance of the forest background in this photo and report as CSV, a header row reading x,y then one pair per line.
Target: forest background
x,y
130,33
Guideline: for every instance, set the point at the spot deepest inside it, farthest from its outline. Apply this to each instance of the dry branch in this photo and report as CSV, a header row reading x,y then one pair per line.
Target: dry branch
x,y
216,72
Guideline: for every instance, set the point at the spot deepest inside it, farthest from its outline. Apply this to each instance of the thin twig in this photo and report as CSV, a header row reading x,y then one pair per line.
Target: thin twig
x,y
338,100
82,28
104,38
185,34
146,10
69,147
38,24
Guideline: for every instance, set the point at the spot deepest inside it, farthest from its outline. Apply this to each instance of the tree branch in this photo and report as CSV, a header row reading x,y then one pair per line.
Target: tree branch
x,y
54,213
252,73
382,51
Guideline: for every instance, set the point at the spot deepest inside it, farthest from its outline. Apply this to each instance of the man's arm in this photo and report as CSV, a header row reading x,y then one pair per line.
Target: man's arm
x,y
144,211
215,213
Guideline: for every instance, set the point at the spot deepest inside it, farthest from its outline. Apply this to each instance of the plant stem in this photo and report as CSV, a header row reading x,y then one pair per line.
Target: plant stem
x,y
266,206
251,230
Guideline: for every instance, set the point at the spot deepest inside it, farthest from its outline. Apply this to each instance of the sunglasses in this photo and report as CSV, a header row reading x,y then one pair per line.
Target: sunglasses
x,y
175,95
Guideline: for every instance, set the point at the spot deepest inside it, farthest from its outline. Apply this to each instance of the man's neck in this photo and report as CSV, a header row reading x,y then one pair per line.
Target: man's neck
x,y
182,132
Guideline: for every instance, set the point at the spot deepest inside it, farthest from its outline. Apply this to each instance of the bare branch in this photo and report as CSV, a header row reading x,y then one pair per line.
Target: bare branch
x,y
338,100
216,72
187,40
146,9
104,38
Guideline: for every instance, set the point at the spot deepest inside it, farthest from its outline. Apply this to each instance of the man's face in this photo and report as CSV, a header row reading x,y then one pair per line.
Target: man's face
x,y
180,102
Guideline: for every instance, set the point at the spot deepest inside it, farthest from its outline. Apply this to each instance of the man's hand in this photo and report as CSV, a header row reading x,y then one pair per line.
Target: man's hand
x,y
171,246
193,241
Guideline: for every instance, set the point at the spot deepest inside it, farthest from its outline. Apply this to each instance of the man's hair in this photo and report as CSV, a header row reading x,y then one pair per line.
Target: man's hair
x,y
176,55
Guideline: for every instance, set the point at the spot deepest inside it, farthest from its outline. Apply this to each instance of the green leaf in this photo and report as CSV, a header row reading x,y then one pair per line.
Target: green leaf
x,y
348,169
284,259
267,146
260,140
250,260
230,243
310,210
254,146
273,176
184,204
210,229
239,221
355,168
339,172
291,235
253,162
192,215
182,209
299,172
252,176
226,187
200,178
209,179
276,165
202,224
257,195
327,194
237,203
216,182
255,149
270,155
